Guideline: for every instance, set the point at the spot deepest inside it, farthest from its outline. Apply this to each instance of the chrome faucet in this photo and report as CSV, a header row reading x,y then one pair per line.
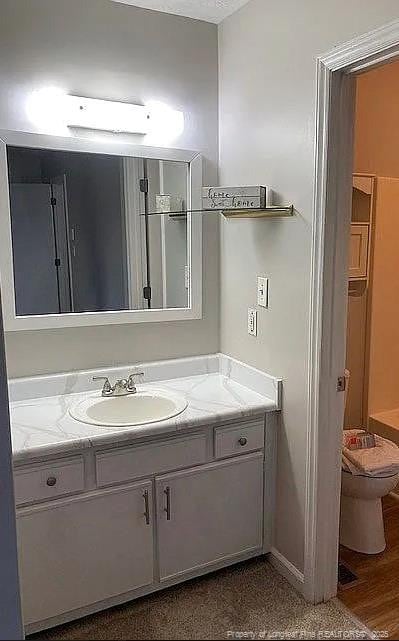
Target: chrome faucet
x,y
107,388
122,387
130,384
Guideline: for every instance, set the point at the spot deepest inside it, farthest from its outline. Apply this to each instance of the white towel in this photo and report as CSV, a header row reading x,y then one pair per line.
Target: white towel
x,y
382,460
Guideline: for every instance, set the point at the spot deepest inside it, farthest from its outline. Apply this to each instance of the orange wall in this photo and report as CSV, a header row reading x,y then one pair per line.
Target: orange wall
x,y
377,152
383,385
377,122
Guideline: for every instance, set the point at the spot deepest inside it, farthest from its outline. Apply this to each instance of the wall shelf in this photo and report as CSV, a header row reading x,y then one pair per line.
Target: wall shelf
x,y
273,211
267,212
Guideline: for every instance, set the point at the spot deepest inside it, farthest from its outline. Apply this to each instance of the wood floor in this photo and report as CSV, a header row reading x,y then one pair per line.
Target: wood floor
x,y
374,598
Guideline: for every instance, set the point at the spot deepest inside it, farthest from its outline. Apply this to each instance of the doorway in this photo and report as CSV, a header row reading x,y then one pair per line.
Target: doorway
x,y
369,523
335,109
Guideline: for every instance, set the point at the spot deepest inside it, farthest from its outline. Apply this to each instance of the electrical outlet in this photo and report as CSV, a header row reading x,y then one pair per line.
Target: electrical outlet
x,y
263,291
252,322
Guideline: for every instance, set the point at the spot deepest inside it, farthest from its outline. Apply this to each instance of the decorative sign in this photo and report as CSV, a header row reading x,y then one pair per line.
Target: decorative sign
x,y
235,197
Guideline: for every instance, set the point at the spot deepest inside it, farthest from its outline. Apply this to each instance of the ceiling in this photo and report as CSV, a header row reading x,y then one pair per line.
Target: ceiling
x,y
208,10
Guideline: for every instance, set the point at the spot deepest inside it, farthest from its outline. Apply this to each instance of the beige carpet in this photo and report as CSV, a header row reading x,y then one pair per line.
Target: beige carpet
x,y
247,598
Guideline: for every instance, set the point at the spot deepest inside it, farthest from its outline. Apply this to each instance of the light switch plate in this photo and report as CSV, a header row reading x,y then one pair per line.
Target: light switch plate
x,y
252,322
263,291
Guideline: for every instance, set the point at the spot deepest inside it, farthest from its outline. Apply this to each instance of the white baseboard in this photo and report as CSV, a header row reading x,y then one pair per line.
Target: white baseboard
x,y
287,570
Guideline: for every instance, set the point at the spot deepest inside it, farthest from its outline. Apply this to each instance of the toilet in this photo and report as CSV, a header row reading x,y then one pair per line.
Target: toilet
x,y
361,524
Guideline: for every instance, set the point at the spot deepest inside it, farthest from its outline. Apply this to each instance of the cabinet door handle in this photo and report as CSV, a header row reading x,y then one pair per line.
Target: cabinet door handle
x,y
51,481
146,506
243,441
167,507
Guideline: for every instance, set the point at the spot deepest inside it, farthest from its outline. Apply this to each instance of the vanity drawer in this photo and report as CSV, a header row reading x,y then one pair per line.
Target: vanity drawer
x,y
239,439
118,466
48,481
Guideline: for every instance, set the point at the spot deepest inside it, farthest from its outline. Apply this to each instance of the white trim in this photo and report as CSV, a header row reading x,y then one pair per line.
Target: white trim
x,y
194,231
12,322
331,220
11,626
105,146
287,570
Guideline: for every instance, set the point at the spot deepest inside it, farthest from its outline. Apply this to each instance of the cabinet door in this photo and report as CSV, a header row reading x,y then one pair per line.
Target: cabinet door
x,y
209,513
358,254
78,551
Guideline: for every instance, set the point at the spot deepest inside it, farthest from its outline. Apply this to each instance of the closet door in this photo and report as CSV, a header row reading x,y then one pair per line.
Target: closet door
x,y
359,248
209,513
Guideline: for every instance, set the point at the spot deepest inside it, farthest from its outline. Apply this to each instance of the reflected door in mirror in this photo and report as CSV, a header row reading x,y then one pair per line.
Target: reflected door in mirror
x,y
85,237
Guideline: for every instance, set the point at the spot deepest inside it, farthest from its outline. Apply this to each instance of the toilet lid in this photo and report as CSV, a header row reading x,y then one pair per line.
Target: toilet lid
x,y
381,461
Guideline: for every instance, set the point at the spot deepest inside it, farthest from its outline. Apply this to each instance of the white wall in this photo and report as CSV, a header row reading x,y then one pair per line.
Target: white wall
x,y
104,49
267,54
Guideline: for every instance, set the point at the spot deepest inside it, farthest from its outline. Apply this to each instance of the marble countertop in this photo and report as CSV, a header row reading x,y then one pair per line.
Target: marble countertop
x,y
43,426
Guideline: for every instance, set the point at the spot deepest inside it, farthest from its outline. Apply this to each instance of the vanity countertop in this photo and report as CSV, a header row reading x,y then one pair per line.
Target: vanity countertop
x,y
42,426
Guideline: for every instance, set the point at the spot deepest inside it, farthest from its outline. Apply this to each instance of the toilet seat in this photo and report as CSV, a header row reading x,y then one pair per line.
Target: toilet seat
x,y
369,476
367,487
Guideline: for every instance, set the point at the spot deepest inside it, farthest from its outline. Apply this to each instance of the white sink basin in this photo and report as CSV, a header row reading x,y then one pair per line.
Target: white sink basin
x,y
146,406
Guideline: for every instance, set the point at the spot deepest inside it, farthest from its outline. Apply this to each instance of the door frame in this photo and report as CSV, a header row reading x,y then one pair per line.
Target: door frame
x,y
11,626
135,231
62,241
335,105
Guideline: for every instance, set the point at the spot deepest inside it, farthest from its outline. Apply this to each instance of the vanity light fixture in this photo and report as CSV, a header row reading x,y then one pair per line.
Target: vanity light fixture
x,y
91,113
56,111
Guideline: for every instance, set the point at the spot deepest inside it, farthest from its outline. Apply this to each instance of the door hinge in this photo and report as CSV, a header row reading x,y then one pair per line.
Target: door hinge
x,y
57,262
341,384
144,185
53,201
147,293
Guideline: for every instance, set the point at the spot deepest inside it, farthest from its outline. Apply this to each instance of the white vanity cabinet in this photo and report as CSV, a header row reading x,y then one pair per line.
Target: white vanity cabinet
x,y
142,517
209,513
78,551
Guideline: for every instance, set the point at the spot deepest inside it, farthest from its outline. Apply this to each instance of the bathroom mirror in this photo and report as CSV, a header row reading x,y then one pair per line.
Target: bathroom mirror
x,y
90,233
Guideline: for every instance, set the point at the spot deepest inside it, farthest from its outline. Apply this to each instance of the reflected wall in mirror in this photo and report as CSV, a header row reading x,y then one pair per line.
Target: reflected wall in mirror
x,y
81,239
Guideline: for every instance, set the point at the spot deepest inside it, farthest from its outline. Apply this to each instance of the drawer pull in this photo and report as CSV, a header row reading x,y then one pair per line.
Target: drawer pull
x,y
242,441
167,507
51,481
146,507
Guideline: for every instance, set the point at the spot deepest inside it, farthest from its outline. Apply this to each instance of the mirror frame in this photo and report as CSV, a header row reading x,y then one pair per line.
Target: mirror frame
x,y
193,311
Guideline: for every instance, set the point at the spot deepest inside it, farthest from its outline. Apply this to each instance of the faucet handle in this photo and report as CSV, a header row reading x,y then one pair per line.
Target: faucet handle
x,y
131,387
107,388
